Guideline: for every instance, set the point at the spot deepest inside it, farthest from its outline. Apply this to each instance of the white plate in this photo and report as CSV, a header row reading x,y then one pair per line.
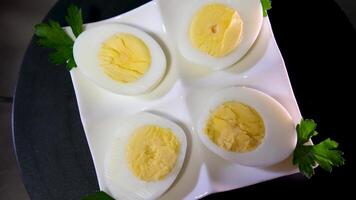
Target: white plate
x,y
179,97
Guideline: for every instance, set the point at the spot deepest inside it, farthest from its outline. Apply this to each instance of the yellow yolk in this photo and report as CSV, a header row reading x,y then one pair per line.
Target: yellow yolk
x,y
235,127
152,152
124,57
216,30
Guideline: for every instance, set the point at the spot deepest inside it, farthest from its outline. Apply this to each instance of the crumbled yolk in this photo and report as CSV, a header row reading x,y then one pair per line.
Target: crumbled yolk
x,y
235,127
216,29
152,152
124,57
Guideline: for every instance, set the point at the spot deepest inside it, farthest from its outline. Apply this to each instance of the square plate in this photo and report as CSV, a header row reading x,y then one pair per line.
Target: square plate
x,y
179,97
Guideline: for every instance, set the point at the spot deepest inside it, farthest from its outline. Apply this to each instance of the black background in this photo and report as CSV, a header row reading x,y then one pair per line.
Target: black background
x,y
317,42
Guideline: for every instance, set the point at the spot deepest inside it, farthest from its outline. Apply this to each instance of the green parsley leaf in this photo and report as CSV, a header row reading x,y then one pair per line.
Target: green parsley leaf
x,y
74,19
98,196
303,158
51,35
70,62
307,156
266,5
327,156
306,130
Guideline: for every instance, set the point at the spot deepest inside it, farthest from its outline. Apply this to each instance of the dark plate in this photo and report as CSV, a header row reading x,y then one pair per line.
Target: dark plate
x,y
318,45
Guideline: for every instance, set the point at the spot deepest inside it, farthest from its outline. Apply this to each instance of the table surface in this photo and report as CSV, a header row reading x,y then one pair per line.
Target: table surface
x,y
317,42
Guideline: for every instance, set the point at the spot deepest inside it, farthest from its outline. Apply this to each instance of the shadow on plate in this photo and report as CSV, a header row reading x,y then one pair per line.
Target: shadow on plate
x,y
284,166
254,54
189,174
169,77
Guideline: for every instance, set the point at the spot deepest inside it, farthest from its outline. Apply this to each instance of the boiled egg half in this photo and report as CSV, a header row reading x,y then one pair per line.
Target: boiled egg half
x,y
248,127
218,33
120,58
145,157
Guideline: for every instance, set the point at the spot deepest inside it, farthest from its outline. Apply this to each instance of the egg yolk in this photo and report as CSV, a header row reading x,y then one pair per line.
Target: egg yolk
x,y
152,152
124,57
216,29
235,127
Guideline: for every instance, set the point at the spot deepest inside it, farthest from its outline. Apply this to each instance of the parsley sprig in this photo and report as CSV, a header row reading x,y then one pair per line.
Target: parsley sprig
x,y
266,5
75,20
51,35
98,196
308,156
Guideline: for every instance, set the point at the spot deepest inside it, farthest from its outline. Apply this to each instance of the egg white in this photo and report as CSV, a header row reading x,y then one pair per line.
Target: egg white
x,y
250,12
121,182
86,49
280,135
